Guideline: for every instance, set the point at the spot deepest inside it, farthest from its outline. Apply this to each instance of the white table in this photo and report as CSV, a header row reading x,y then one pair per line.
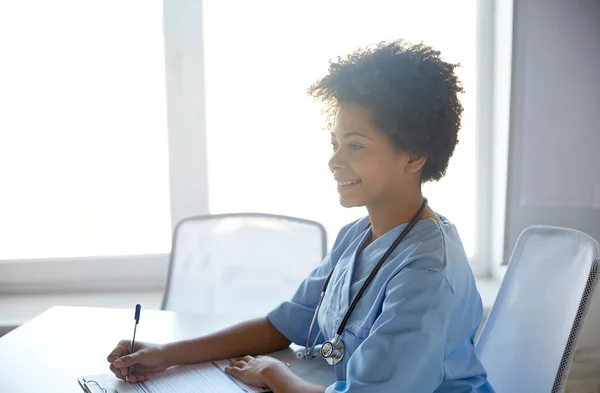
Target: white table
x,y
48,353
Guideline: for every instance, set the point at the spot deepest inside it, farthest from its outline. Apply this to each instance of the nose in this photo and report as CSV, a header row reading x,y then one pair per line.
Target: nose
x,y
336,162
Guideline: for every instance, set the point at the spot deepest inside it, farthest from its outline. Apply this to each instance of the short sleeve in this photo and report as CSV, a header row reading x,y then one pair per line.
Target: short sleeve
x,y
405,349
292,318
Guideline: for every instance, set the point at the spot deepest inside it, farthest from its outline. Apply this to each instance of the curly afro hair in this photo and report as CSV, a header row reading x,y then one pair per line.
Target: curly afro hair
x,y
412,95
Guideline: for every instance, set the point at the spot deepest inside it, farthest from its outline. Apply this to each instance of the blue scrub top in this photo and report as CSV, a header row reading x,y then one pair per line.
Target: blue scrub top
x,y
413,329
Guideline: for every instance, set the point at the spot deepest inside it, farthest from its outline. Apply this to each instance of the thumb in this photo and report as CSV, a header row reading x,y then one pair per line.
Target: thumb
x,y
129,360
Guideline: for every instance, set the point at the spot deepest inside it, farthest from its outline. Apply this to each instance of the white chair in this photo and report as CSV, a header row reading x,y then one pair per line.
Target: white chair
x,y
240,265
529,339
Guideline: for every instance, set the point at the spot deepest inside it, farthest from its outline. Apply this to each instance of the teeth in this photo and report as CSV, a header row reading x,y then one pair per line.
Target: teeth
x,y
347,183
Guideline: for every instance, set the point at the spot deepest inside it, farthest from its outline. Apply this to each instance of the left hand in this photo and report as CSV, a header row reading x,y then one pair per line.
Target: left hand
x,y
250,370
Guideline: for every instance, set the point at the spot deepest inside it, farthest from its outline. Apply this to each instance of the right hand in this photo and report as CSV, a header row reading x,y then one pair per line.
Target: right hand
x,y
146,359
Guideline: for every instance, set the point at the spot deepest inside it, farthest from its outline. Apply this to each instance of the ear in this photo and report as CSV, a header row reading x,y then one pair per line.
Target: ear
x,y
415,163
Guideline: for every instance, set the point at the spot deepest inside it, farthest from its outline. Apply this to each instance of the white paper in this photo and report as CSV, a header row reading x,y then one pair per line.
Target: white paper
x,y
203,377
211,377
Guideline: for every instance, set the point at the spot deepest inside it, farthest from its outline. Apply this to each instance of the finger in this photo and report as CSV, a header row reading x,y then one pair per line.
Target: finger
x,y
135,378
142,378
116,353
122,348
138,378
116,371
113,355
128,360
237,364
247,358
235,371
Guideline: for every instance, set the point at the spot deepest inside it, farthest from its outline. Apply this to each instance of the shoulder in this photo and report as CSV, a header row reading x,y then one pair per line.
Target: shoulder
x,y
350,232
436,247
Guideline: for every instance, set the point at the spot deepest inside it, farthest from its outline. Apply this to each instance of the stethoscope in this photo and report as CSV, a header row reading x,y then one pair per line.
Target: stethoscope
x,y
333,350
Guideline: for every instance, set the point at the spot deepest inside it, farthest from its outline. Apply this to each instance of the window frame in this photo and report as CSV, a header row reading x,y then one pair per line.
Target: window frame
x,y
188,174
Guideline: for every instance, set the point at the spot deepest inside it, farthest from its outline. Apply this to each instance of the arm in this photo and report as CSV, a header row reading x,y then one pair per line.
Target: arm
x,y
287,323
254,337
404,352
280,379
292,319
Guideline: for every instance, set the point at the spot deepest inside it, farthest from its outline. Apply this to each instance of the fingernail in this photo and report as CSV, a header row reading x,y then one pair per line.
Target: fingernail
x,y
118,363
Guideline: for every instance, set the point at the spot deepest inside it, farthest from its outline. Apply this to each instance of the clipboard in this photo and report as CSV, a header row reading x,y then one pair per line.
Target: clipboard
x,y
108,383
91,385
99,383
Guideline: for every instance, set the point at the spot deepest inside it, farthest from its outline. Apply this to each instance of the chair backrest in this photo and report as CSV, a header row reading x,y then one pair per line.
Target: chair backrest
x,y
528,341
241,264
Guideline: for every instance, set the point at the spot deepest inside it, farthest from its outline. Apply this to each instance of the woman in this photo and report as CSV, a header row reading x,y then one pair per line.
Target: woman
x,y
394,115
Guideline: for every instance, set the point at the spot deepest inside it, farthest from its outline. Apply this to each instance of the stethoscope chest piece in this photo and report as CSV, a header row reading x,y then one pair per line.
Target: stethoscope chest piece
x,y
333,351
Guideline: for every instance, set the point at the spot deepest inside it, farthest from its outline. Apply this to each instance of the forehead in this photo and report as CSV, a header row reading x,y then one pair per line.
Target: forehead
x,y
348,117
356,119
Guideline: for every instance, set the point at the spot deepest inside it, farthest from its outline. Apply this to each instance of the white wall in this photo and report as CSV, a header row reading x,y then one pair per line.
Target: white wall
x,y
554,150
554,159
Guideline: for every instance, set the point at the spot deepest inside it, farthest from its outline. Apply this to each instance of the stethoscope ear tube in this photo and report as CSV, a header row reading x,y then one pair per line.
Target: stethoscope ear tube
x,y
333,350
309,349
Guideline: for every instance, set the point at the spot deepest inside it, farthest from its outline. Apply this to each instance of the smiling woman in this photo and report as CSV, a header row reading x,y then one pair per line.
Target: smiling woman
x,y
395,117
394,304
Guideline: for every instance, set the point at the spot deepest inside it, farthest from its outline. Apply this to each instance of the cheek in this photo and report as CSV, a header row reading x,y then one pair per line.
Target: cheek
x,y
367,168
376,170
385,176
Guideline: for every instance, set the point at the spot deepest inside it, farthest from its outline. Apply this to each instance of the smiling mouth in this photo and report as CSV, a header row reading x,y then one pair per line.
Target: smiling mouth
x,y
348,183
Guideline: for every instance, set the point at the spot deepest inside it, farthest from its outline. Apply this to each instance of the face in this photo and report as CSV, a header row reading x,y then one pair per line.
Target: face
x,y
368,169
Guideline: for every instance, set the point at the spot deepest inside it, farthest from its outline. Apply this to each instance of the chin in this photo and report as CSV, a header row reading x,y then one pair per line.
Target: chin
x,y
351,202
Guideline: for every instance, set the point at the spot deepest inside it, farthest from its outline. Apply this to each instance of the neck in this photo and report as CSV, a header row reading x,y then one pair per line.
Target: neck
x,y
396,211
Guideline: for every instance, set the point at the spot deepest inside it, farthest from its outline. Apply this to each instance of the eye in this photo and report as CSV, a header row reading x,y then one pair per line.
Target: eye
x,y
355,146
334,145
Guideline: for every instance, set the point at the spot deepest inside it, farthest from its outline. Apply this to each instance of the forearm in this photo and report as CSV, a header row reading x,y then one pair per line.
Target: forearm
x,y
254,337
283,380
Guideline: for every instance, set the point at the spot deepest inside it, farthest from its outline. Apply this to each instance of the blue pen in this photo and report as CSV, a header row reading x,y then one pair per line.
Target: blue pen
x,y
138,308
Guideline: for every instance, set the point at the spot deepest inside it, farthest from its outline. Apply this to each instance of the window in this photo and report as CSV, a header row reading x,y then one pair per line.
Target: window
x,y
94,177
83,132
267,151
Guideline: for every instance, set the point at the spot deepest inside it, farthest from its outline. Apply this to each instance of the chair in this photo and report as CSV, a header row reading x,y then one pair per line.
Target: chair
x,y
240,265
528,342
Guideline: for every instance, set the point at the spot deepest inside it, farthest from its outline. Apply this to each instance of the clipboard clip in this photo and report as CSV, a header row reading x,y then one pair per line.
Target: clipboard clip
x,y
85,384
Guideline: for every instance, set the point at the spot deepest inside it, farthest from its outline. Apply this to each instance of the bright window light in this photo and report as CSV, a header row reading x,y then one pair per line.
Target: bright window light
x,y
267,151
83,136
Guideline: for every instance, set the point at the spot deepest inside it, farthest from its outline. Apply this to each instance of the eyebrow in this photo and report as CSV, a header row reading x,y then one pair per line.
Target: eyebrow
x,y
346,135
